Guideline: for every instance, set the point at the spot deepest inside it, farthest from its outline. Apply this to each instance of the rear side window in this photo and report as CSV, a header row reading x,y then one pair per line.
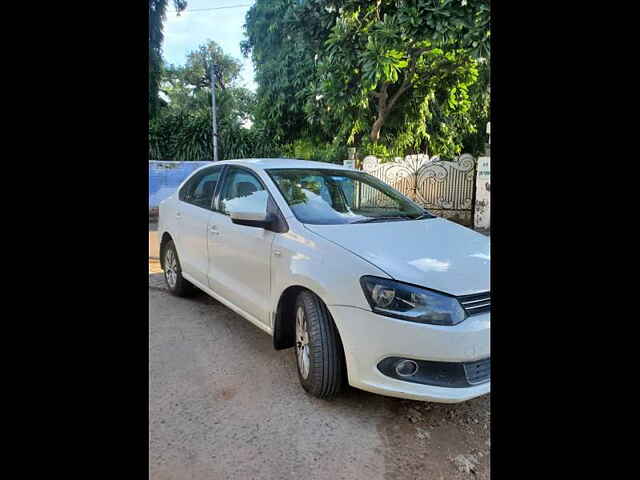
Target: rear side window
x,y
200,188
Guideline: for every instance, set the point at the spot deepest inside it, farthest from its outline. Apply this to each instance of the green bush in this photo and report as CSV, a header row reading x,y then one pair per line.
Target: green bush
x,y
188,137
305,149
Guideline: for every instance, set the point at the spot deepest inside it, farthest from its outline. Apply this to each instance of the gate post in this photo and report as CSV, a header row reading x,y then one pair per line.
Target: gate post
x,y
482,213
482,187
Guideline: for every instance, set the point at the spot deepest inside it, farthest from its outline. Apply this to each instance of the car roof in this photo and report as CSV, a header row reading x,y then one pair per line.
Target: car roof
x,y
264,163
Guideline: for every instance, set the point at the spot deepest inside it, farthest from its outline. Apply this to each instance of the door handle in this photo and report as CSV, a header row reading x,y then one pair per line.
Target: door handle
x,y
214,230
277,253
178,215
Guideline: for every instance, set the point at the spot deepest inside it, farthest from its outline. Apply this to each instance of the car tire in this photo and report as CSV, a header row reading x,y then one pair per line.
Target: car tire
x,y
318,350
173,278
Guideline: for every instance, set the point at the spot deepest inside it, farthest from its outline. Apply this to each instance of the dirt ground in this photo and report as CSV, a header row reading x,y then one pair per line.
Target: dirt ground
x,y
223,404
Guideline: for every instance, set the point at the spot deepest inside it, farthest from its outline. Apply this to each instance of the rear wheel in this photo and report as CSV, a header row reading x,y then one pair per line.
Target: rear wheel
x,y
318,349
176,283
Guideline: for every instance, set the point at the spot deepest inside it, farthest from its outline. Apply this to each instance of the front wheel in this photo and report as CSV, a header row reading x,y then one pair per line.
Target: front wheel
x,y
319,355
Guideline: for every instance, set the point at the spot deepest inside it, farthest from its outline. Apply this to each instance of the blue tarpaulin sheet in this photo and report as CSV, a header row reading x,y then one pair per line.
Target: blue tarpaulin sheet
x,y
165,177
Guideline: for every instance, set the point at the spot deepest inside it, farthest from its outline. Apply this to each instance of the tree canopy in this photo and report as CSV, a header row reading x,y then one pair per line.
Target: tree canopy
x,y
279,45
390,76
182,129
157,16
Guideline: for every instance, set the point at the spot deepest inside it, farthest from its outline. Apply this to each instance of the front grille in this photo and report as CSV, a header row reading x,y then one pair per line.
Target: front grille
x,y
476,303
478,372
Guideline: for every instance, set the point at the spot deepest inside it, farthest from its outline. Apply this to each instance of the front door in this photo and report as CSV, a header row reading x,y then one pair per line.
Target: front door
x,y
239,256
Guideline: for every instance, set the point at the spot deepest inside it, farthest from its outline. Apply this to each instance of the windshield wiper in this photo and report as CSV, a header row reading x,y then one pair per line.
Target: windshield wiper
x,y
382,219
424,215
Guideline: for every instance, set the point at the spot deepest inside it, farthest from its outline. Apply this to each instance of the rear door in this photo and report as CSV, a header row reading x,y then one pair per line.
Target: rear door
x,y
193,212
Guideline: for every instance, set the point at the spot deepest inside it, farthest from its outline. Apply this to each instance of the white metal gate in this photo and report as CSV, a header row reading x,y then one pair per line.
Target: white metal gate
x,y
445,188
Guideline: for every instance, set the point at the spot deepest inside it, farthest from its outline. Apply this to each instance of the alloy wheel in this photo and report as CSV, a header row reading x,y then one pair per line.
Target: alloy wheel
x,y
171,268
302,343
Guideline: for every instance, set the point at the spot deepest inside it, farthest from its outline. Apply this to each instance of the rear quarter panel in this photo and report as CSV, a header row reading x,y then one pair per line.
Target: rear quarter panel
x,y
166,219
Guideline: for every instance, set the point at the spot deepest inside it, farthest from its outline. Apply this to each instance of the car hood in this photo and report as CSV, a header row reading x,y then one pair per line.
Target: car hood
x,y
434,253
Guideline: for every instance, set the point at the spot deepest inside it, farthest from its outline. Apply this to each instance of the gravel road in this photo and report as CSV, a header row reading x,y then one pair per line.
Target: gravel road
x,y
223,404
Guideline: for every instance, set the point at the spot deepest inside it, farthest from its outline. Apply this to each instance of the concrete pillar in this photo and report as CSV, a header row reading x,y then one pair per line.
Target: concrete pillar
x,y
483,196
482,214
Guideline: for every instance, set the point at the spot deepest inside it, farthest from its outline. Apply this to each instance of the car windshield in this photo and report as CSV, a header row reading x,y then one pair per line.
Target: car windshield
x,y
331,197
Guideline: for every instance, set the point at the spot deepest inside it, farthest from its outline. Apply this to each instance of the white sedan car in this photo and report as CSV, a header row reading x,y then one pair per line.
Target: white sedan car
x,y
367,286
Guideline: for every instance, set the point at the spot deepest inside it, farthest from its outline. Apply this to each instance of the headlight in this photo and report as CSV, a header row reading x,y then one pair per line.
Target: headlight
x,y
399,300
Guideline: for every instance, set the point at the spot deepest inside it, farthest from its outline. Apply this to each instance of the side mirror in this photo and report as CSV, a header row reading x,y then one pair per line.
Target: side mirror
x,y
251,210
253,219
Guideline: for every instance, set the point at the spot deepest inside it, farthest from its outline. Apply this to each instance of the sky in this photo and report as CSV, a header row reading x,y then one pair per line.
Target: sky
x,y
184,33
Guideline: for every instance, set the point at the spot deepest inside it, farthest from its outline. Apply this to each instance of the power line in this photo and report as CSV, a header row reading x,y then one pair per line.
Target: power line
x,y
212,8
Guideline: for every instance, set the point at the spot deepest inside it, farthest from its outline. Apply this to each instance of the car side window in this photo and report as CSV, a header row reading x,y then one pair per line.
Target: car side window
x,y
239,183
200,189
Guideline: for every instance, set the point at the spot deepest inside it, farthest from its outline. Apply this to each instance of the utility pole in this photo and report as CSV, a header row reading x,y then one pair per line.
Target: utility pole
x,y
213,113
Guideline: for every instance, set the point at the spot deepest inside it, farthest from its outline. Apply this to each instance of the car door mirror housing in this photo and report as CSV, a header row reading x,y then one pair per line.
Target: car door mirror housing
x,y
254,219
250,210
253,210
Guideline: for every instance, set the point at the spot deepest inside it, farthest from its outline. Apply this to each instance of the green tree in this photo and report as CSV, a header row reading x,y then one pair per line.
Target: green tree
x,y
182,128
157,16
475,141
390,76
188,88
283,53
405,63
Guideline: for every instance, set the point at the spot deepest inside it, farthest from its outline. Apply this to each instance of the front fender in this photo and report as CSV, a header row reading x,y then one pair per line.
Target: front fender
x,y
328,270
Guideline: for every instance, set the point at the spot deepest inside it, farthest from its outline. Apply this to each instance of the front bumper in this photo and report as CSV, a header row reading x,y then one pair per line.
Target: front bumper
x,y
368,338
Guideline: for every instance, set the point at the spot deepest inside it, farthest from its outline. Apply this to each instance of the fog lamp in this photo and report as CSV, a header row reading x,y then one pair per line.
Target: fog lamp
x,y
406,368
